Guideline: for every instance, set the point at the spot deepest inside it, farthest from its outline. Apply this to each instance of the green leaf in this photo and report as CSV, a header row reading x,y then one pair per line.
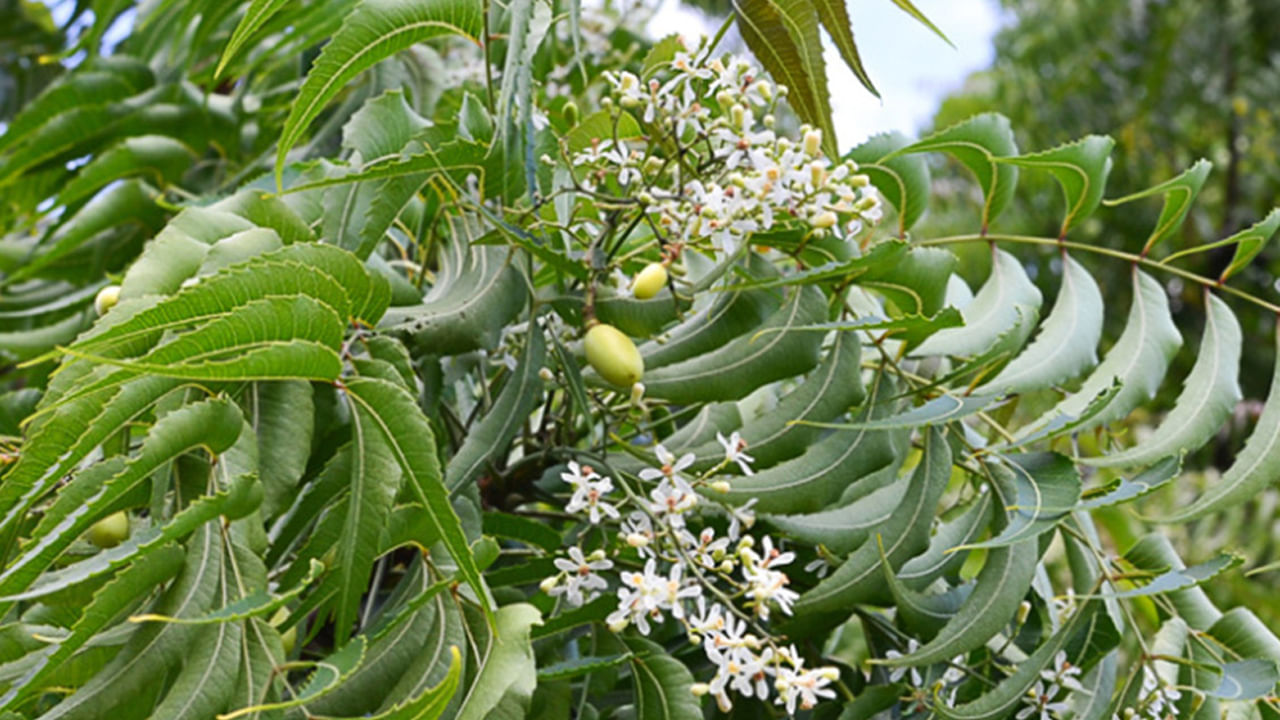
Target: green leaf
x,y
1179,193
834,17
212,424
1126,490
909,8
118,594
395,414
905,534
258,13
977,143
112,79
746,363
1067,342
1000,701
1255,467
940,559
732,314
1081,169
818,476
161,158
526,530
1249,243
1038,489
1153,553
942,409
154,648
328,675
580,666
902,180
999,588
1138,360
374,481
507,667
488,440
431,703
1181,578
1208,396
993,312
1247,680
661,683
374,31
784,36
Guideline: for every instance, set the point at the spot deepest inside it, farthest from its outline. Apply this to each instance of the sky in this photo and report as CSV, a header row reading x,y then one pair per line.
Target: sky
x,y
913,68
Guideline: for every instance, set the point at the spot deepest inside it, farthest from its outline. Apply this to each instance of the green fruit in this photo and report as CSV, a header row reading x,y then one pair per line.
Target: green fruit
x,y
649,281
110,531
106,299
288,638
613,355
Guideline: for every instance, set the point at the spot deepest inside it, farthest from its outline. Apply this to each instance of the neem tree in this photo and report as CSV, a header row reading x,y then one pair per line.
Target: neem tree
x,y
555,372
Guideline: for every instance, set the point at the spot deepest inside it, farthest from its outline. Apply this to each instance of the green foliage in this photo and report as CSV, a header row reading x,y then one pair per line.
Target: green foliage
x,y
317,329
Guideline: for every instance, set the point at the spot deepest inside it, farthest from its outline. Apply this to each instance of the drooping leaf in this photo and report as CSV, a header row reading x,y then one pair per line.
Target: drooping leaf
x,y
902,180
1081,168
1179,193
661,683
993,312
1208,396
977,143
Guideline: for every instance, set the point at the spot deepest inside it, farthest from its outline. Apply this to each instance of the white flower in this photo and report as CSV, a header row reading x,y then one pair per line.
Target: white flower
x,y
638,531
765,586
806,686
1038,701
669,502
589,490
897,673
580,575
1063,673
638,601
671,466
735,451
818,566
708,620
741,517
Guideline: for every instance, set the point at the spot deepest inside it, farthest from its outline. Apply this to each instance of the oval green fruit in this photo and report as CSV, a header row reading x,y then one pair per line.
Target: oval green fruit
x,y
649,281
613,355
106,299
110,531
288,638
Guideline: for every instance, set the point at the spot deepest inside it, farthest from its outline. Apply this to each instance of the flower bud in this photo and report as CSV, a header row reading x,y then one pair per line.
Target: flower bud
x,y
829,673
618,626
724,98
547,585
824,220
699,689
637,393
546,374
613,355
720,486
649,281
638,540
813,142
769,121
595,556
726,567
738,115
1024,609
765,89
106,299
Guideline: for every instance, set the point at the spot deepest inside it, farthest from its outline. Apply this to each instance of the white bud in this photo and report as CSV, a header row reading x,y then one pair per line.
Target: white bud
x,y
638,540
824,220
720,486
618,626
813,142
637,393
766,90
549,584
1024,609
546,374
597,555
699,689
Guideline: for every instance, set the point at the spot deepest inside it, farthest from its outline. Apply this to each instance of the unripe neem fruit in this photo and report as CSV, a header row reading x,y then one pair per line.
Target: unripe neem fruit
x,y
613,355
649,281
288,638
106,299
110,531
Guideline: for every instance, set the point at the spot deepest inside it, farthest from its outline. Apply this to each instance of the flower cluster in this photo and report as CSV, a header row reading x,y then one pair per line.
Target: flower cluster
x,y
722,171
722,588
